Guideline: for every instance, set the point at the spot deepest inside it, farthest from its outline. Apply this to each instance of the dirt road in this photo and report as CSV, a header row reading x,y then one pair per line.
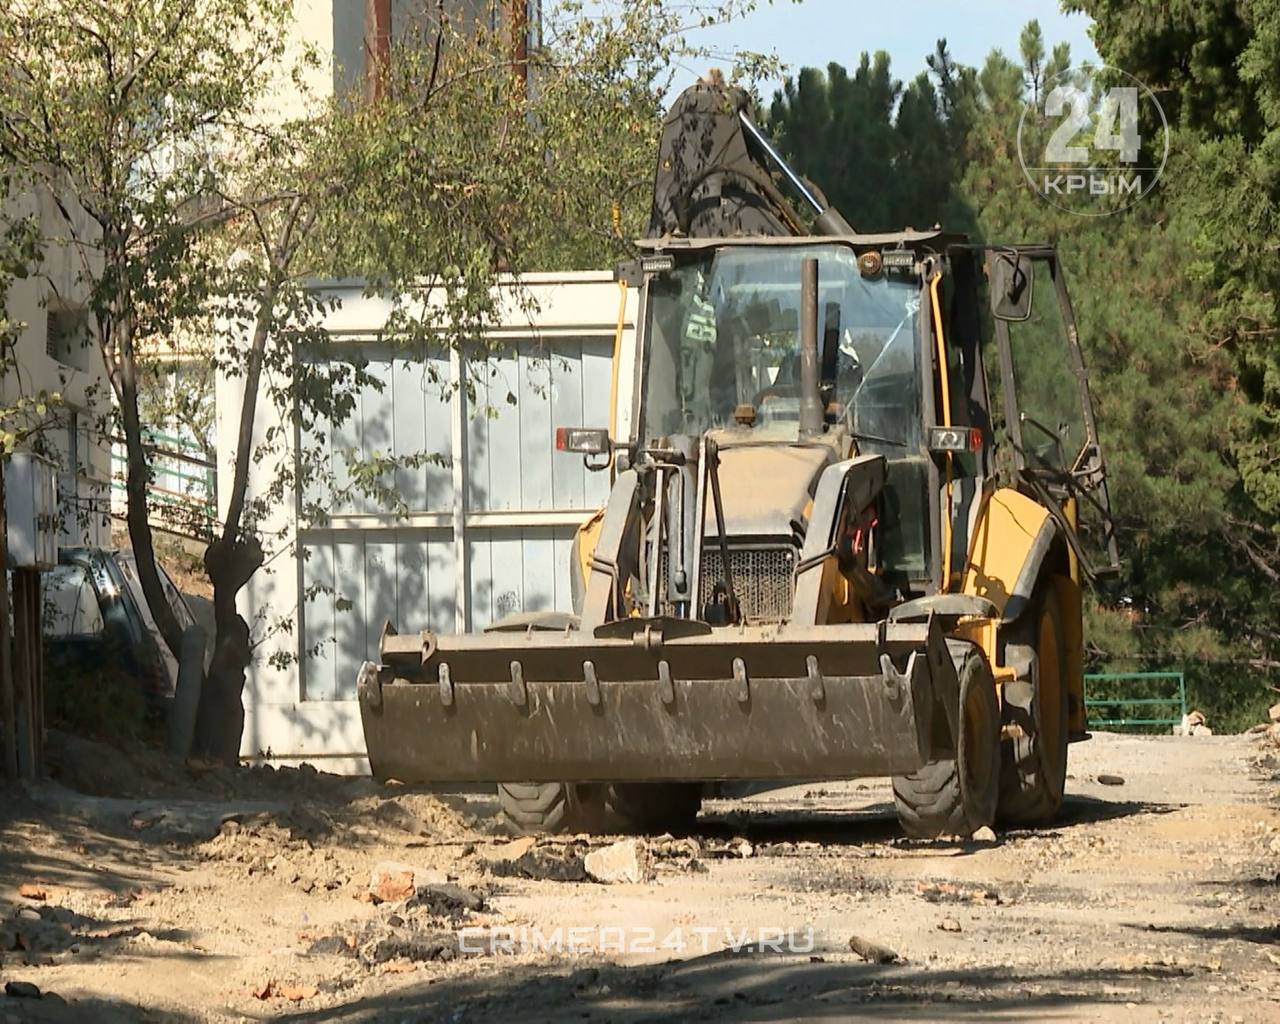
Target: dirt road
x,y
1157,897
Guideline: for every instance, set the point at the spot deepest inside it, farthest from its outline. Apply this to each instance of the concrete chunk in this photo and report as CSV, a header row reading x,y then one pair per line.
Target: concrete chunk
x,y
392,880
624,861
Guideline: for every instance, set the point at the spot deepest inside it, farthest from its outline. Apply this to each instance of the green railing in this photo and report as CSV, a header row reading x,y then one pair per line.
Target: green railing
x,y
1149,705
183,493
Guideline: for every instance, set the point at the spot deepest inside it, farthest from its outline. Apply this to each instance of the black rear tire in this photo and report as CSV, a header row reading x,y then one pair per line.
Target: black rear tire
x,y
1033,769
532,807
633,807
957,796
653,807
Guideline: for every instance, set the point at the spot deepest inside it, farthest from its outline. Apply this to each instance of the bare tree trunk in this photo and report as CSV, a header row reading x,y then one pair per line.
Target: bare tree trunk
x,y
231,560
137,483
230,563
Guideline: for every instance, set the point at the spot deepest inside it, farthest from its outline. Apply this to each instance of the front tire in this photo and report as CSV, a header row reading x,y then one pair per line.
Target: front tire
x,y
1033,769
957,796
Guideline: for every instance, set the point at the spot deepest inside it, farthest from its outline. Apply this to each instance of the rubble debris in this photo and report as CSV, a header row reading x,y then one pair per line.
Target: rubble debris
x,y
737,847
33,891
948,924
957,892
986,834
872,952
391,880
90,767
377,943
22,990
262,846
1193,723
297,993
415,948
513,850
1110,780
677,856
446,900
42,930
1274,712
416,814
331,945
551,863
624,861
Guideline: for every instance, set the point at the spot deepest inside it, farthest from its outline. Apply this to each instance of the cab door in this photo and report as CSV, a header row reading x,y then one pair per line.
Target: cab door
x,y
1049,415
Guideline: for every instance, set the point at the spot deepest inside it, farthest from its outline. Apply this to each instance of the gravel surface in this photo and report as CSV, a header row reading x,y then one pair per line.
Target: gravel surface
x,y
297,896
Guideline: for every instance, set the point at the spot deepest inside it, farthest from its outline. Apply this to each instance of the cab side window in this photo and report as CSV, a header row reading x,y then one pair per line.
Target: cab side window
x,y
1049,402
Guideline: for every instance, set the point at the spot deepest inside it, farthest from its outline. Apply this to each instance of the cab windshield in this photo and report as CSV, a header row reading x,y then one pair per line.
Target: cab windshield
x,y
724,331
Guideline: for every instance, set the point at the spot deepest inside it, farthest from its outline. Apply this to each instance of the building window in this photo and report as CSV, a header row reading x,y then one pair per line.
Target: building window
x,y
67,335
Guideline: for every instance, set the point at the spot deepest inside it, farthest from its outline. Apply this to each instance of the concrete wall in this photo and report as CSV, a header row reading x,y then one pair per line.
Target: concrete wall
x,y
75,435
485,535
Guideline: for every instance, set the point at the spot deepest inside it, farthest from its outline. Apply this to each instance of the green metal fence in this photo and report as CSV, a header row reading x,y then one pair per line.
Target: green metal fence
x,y
1143,705
183,493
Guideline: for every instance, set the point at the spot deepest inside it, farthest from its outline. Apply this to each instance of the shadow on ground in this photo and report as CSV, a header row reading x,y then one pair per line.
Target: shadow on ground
x,y
742,987
878,823
1265,936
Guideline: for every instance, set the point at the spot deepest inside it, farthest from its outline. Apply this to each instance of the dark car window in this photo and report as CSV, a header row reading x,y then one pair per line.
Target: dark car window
x,y
70,603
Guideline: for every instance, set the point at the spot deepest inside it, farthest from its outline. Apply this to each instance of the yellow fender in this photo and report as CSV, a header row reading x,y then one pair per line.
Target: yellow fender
x,y
584,546
1013,537
1009,546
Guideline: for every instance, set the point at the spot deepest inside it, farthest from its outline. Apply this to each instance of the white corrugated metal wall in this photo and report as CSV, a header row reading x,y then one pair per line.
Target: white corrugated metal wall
x,y
484,535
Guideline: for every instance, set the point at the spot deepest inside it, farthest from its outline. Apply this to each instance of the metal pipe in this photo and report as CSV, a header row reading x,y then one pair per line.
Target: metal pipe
x,y
699,530
662,478
829,220
811,417
763,142
377,48
944,387
713,474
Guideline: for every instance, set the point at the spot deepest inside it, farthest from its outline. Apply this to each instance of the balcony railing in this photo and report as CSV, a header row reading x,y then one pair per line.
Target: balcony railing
x,y
182,497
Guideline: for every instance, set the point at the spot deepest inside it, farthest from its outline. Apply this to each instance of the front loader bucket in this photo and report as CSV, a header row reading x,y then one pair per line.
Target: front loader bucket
x,y
650,700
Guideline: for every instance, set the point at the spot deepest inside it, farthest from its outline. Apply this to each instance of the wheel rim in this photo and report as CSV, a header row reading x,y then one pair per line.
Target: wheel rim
x,y
1049,698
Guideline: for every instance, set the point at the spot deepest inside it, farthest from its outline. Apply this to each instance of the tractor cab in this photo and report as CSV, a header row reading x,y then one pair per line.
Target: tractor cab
x,y
910,352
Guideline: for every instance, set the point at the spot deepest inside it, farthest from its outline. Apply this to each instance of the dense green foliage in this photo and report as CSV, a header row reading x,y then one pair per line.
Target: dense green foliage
x,y
1176,299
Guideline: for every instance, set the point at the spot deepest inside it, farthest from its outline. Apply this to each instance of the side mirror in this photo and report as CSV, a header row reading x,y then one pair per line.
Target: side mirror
x,y
1010,286
583,440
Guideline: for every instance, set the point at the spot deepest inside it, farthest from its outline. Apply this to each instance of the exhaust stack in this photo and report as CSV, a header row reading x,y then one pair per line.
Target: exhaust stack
x,y
811,417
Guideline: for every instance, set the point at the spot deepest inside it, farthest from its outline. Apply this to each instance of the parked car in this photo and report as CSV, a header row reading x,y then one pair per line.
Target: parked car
x,y
96,619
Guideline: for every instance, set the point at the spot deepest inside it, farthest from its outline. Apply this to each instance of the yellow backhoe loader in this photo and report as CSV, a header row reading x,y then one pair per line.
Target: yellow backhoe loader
x,y
843,537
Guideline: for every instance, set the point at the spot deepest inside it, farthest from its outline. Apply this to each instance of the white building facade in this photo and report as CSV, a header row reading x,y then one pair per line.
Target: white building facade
x,y
56,354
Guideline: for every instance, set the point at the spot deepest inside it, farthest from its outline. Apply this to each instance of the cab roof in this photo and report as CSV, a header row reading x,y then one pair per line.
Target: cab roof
x,y
934,240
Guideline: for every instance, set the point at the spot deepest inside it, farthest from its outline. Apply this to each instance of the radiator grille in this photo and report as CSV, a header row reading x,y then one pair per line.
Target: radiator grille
x,y
762,578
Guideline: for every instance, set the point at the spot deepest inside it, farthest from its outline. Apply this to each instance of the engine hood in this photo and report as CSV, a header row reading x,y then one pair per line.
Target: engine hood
x,y
766,488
